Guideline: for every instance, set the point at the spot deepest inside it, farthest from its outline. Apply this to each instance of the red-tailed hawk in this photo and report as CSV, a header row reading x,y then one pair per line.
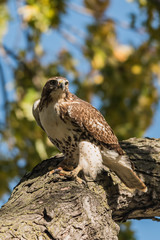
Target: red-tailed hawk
x,y
81,133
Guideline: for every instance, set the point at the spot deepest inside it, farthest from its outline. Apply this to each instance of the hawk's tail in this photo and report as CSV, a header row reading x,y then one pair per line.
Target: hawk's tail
x,y
129,178
122,167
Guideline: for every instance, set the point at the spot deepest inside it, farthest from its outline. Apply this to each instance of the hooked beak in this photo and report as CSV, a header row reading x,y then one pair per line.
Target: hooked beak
x,y
61,84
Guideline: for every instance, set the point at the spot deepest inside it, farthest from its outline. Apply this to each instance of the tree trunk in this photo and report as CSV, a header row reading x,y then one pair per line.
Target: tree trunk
x,y
44,206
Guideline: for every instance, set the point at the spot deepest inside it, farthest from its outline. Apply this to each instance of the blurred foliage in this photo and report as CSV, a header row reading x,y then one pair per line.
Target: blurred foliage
x,y
122,78
126,233
4,16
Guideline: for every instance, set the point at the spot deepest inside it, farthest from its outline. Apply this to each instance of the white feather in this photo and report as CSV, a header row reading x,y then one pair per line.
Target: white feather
x,y
52,123
111,159
90,158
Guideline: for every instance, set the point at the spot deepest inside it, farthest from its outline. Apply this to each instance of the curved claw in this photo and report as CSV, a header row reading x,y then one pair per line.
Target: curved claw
x,y
80,180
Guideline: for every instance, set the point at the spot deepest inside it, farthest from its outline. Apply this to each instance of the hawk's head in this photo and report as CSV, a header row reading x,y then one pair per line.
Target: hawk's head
x,y
55,87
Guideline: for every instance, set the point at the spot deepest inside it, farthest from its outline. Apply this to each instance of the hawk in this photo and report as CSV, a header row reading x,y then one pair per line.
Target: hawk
x,y
82,134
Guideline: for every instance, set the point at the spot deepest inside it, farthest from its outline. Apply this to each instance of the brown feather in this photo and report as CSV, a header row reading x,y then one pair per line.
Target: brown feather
x,y
91,120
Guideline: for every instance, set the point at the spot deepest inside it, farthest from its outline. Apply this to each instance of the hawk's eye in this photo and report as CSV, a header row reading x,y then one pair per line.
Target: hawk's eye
x,y
53,82
66,83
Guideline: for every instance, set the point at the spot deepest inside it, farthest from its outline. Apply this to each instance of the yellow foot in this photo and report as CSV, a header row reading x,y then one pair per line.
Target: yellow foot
x,y
70,174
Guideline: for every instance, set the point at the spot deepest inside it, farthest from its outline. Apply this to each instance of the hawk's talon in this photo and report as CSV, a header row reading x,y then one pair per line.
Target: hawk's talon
x,y
80,180
57,170
69,174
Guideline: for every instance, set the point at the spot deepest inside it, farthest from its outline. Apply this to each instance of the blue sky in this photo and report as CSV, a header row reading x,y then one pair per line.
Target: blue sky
x,y
146,229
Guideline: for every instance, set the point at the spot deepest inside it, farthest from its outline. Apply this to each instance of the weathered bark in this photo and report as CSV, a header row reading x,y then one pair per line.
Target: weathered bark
x,y
44,206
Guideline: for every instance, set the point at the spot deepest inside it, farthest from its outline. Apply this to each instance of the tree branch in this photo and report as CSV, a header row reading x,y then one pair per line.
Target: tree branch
x,y
44,206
